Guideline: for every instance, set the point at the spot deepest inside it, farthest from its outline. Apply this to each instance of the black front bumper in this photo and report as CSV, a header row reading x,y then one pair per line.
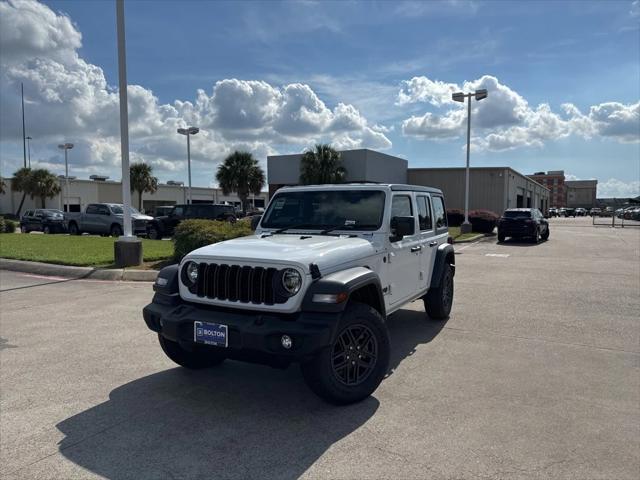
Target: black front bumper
x,y
252,335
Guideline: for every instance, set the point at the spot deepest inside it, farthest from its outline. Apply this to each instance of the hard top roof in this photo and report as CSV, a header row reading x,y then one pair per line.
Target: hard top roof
x,y
365,185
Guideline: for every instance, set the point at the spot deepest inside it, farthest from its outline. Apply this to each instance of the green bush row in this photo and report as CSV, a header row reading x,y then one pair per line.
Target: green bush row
x,y
192,234
7,226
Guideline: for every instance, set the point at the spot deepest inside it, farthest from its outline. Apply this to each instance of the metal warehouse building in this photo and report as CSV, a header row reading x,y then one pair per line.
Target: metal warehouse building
x,y
100,190
491,188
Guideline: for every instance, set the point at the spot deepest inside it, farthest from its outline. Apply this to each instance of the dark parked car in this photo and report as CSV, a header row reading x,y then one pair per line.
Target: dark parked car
x,y
523,223
165,225
47,220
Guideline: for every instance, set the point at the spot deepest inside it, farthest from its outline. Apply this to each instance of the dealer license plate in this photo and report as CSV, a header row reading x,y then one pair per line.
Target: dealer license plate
x,y
211,334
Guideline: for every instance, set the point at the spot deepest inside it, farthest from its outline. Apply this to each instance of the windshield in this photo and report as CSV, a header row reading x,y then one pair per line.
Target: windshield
x,y
51,211
517,214
117,210
351,209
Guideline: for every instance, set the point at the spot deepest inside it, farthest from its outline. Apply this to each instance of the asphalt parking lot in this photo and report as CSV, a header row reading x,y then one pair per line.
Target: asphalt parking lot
x,y
535,375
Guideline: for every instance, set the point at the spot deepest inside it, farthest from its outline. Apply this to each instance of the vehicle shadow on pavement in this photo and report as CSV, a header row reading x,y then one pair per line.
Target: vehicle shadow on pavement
x,y
517,242
238,420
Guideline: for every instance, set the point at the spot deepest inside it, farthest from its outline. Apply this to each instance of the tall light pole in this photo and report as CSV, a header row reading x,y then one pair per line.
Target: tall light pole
x,y
24,138
66,147
188,132
459,97
29,150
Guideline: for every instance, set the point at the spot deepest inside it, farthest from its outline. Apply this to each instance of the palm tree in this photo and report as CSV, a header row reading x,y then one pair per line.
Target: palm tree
x,y
240,173
43,184
322,164
21,182
2,186
142,180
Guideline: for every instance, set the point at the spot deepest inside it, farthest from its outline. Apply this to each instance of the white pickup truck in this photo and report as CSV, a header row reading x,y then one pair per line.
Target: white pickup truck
x,y
315,285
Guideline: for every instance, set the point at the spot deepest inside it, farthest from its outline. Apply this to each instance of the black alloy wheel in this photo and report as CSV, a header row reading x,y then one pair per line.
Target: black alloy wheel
x,y
354,355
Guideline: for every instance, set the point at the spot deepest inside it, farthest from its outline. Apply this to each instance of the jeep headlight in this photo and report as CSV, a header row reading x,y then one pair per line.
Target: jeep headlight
x,y
291,281
190,273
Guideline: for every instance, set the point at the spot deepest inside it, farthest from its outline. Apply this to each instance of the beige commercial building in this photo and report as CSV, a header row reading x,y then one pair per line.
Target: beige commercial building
x,y
581,193
83,192
491,188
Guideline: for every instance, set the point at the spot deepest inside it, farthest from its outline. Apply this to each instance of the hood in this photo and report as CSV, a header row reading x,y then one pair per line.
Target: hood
x,y
323,250
135,216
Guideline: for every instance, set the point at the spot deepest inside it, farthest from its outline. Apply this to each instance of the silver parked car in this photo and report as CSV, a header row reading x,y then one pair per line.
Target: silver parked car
x,y
105,219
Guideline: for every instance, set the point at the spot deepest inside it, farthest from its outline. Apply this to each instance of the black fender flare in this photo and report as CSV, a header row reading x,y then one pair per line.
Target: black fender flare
x,y
347,281
444,256
166,288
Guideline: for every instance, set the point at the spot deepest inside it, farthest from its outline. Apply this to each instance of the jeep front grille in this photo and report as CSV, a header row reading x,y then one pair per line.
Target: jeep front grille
x,y
237,283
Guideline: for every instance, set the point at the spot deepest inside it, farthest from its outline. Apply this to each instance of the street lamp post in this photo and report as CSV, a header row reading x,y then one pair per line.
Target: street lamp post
x,y
188,132
66,147
29,150
459,97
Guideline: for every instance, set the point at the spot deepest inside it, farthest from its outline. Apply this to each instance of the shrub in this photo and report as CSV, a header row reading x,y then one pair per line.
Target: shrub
x,y
7,226
483,221
192,234
455,217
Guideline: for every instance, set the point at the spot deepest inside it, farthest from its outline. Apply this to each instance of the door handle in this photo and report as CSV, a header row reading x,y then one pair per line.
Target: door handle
x,y
415,249
433,244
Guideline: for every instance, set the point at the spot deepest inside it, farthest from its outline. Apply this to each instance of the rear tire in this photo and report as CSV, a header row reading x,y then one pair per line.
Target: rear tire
x,y
438,301
350,369
73,229
46,230
200,357
24,229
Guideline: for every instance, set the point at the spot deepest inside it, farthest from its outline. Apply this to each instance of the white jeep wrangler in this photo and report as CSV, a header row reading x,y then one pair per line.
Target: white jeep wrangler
x,y
315,285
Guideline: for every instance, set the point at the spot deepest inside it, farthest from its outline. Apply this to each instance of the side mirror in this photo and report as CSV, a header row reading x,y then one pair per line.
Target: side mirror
x,y
255,220
402,227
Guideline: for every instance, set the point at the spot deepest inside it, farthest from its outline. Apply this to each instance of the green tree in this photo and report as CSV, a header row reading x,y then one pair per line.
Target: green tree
x,y
240,173
142,180
43,184
2,186
21,182
322,164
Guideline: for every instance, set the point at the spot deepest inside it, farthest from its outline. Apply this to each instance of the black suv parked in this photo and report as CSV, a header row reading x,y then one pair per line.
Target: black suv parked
x,y
47,220
164,226
521,223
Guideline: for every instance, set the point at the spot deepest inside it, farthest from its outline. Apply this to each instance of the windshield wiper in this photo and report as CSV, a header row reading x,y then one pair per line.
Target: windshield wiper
x,y
342,226
284,229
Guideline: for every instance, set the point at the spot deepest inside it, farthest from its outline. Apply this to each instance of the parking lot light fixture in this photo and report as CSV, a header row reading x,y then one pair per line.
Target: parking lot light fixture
x,y
460,97
188,132
66,147
29,150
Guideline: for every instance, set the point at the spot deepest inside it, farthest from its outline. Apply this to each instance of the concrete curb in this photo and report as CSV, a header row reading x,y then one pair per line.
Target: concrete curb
x,y
470,239
66,271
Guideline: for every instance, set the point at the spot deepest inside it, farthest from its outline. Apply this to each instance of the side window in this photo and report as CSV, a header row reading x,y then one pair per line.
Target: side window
x,y
91,209
28,213
439,213
103,210
424,213
178,211
401,206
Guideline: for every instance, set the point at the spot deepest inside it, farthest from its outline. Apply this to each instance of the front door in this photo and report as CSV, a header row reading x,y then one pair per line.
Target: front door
x,y
404,254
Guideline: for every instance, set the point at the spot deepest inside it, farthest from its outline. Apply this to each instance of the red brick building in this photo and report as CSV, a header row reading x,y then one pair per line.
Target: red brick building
x,y
554,181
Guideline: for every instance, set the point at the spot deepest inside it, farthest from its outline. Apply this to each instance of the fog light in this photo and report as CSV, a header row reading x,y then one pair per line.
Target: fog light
x,y
286,342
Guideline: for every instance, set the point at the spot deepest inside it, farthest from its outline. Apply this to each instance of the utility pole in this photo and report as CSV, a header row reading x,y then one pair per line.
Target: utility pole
x,y
24,139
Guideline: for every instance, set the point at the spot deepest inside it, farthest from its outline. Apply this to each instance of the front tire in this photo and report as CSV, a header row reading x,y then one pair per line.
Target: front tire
x,y
501,237
46,230
198,358
115,231
73,229
153,233
24,229
545,235
438,301
352,367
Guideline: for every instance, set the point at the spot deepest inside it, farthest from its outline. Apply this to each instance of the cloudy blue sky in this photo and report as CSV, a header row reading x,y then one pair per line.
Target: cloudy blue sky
x,y
275,77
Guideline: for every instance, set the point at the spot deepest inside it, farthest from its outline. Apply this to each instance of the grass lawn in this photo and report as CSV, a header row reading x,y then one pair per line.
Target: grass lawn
x,y
70,250
455,233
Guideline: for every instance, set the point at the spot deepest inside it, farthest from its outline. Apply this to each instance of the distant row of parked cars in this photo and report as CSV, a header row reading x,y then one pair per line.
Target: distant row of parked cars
x,y
107,219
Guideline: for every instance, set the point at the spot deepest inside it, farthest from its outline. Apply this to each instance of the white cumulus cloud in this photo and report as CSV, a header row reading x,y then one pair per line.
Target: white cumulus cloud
x,y
505,120
614,188
69,99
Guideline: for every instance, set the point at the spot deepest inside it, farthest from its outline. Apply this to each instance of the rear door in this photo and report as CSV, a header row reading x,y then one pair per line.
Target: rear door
x,y
428,240
104,219
404,254
89,219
